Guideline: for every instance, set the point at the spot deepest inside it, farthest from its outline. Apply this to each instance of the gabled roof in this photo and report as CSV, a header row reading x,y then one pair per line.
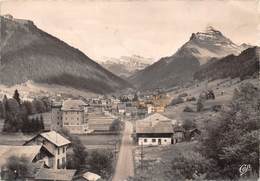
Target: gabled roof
x,y
55,174
155,123
55,138
159,127
6,151
156,117
73,105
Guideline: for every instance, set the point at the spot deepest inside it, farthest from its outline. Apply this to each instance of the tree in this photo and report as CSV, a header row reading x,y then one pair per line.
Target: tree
x,y
18,168
39,106
16,96
116,125
135,99
41,123
190,165
28,106
176,101
188,124
2,110
232,140
100,162
76,159
200,104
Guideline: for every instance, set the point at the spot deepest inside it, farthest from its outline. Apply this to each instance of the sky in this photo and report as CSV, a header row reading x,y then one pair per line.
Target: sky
x,y
149,28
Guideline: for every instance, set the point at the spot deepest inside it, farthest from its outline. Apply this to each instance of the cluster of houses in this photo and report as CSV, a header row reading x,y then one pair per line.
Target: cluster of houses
x,y
84,116
47,152
157,129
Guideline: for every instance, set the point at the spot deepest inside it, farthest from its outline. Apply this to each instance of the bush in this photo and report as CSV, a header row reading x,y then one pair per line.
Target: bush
x,y
189,99
189,124
116,125
187,109
100,162
191,165
77,158
176,101
216,108
18,168
183,95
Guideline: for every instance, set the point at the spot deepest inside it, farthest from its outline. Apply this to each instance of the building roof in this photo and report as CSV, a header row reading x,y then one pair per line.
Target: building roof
x,y
155,123
73,105
55,138
6,151
156,117
55,174
91,176
121,106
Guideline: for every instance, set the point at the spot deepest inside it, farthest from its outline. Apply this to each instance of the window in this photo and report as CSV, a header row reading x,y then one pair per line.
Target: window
x,y
145,140
58,163
58,151
63,149
165,140
63,162
153,140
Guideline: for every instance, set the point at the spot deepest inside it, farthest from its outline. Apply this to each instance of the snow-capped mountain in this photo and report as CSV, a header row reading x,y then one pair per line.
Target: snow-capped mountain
x,y
180,67
125,66
210,43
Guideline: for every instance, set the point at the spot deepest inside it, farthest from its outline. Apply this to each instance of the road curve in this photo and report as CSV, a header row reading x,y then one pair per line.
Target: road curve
x,y
125,165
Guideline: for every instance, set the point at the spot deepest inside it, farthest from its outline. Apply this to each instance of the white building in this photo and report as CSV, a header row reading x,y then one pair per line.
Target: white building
x,y
56,144
155,129
121,108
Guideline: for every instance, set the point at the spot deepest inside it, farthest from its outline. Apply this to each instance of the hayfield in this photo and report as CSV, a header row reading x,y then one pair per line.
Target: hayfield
x,y
99,141
14,138
157,160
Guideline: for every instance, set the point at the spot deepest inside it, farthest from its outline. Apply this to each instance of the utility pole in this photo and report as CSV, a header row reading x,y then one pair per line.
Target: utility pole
x,y
142,156
115,148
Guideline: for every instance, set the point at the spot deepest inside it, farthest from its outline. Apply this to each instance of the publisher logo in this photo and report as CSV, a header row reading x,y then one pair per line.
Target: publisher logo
x,y
244,169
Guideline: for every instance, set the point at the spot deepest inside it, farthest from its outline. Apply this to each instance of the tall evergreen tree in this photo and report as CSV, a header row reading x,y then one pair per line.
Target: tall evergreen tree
x,y
17,96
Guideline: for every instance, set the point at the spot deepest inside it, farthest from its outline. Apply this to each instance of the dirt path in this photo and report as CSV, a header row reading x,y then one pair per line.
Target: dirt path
x,y
125,165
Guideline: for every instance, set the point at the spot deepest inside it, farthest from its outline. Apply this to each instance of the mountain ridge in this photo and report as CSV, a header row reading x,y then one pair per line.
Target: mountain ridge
x,y
243,65
44,58
179,68
126,66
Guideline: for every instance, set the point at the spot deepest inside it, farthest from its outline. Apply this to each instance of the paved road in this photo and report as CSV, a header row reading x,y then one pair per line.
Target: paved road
x,y
125,165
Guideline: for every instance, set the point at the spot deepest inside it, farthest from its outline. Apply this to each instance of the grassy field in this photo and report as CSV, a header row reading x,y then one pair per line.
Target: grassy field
x,y
14,138
157,160
99,141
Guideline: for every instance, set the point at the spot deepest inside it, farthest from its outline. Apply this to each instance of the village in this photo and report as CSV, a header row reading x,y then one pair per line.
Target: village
x,y
125,90
88,119
137,122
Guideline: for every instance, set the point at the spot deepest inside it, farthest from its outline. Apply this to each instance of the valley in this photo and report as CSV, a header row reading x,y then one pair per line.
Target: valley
x,y
191,115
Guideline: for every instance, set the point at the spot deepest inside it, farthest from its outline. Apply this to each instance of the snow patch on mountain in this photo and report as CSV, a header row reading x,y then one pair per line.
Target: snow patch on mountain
x,y
125,66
